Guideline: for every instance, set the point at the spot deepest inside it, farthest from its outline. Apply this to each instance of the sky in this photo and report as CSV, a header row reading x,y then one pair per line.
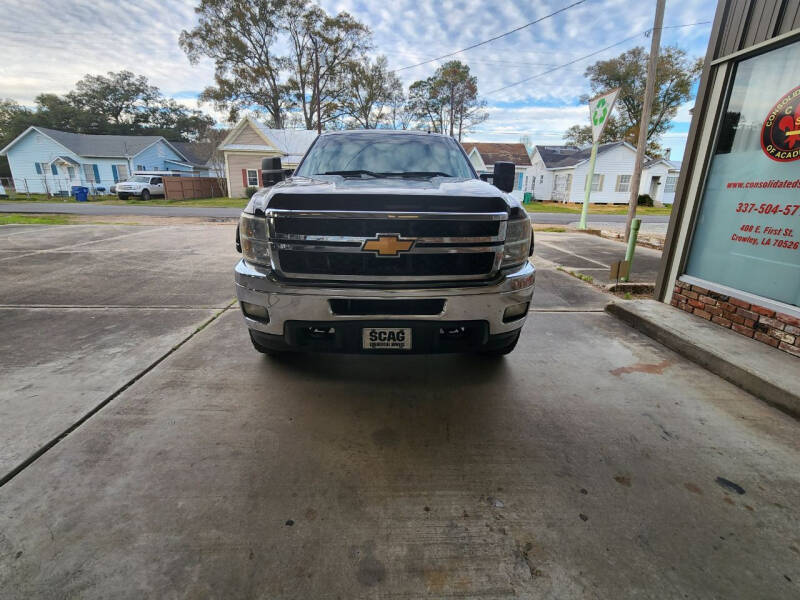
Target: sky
x,y
50,44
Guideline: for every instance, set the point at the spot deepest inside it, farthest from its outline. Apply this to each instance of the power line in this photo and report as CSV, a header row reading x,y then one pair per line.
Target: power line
x,y
497,37
646,32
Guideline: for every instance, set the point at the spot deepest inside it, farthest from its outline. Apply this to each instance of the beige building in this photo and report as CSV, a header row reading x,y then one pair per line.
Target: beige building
x,y
250,141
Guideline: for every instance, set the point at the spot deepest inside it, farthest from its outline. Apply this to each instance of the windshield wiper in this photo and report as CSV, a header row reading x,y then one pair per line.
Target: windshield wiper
x,y
422,174
401,175
354,173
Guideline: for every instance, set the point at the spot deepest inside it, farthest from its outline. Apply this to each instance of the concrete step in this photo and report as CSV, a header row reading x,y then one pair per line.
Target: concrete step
x,y
765,372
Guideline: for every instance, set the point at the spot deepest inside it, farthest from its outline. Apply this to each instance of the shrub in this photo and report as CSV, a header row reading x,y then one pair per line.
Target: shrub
x,y
249,191
644,200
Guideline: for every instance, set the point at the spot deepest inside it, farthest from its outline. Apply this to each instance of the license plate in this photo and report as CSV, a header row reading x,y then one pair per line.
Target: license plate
x,y
386,338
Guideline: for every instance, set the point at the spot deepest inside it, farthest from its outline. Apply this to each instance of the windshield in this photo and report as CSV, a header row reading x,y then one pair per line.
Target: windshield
x,y
140,179
373,154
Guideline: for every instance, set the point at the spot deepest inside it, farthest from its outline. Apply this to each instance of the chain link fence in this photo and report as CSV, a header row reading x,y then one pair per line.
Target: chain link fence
x,y
56,186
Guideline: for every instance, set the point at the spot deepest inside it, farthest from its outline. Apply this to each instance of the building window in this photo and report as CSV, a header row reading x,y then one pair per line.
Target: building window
x,y
252,178
670,184
91,172
71,171
120,172
746,235
519,181
597,182
53,169
38,167
624,183
541,179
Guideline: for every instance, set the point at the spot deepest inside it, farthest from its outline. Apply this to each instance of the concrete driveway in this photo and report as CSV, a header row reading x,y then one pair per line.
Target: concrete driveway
x,y
590,463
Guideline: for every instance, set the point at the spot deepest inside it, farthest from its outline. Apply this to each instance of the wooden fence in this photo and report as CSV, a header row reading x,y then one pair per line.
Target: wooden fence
x,y
181,188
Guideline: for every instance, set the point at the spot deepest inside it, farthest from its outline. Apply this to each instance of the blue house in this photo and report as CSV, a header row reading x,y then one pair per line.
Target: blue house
x,y
47,161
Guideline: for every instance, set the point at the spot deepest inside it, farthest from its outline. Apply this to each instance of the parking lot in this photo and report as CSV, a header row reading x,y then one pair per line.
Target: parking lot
x,y
147,451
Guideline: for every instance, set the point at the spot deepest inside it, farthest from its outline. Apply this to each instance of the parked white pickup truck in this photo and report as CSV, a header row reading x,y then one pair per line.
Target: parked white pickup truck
x,y
144,186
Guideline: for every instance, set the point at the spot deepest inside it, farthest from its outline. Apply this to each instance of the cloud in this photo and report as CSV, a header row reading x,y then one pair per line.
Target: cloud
x,y
48,45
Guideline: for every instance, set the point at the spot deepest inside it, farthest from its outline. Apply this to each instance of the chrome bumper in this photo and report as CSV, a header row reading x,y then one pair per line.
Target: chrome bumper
x,y
291,302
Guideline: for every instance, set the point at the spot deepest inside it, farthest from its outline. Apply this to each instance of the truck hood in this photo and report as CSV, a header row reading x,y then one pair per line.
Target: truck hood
x,y
306,192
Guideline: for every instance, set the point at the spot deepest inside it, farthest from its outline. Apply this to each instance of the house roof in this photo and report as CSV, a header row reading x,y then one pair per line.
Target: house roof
x,y
292,143
84,144
492,152
573,159
672,165
197,153
552,154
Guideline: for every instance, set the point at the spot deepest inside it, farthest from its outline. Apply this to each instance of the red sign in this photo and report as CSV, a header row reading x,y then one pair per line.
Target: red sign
x,y
780,136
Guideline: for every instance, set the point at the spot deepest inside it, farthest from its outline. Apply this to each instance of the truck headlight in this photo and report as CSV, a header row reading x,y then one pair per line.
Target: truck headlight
x,y
518,242
253,238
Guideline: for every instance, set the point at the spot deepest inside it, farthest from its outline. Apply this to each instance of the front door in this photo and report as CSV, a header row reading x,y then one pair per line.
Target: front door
x,y
654,183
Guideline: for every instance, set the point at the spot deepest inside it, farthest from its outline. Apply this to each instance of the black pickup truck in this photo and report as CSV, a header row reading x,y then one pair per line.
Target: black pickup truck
x,y
385,242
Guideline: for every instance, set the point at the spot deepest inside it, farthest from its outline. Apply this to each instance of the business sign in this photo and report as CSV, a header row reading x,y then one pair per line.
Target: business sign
x,y
599,110
747,233
780,135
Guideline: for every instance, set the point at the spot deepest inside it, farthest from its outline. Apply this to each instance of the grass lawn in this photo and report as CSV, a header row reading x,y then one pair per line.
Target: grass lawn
x,y
19,219
595,209
113,200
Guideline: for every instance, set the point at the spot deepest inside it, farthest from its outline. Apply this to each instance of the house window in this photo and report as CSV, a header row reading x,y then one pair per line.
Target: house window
x,y
71,171
252,178
541,179
38,167
53,169
140,167
597,182
670,184
91,173
624,183
120,172
519,181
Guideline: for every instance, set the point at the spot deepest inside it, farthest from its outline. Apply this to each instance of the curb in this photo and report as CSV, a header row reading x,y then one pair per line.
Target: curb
x,y
710,357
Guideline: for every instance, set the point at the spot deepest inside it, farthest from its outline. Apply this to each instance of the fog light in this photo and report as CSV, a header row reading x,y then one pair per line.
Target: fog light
x,y
515,311
254,311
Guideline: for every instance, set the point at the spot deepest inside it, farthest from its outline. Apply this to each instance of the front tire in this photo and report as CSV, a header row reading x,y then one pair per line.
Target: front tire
x,y
502,350
145,195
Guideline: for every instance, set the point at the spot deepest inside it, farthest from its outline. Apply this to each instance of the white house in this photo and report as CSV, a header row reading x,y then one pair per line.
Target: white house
x,y
250,141
659,179
483,155
561,173
48,161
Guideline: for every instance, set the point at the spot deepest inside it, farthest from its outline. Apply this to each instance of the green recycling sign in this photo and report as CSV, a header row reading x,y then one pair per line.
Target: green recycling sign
x,y
599,109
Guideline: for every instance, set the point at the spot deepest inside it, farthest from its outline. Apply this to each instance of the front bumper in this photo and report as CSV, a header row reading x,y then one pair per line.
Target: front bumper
x,y
291,303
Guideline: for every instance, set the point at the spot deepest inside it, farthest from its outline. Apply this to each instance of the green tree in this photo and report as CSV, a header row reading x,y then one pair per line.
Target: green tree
x,y
322,50
675,73
239,36
448,101
120,99
369,90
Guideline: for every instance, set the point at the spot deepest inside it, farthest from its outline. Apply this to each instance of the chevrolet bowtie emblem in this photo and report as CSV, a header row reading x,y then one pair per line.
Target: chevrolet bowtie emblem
x,y
388,244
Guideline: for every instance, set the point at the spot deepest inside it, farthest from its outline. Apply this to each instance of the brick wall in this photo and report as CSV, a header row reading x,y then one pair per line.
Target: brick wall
x,y
778,330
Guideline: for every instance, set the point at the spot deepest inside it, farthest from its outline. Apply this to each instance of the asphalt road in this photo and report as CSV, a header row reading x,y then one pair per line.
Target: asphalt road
x,y
148,452
187,211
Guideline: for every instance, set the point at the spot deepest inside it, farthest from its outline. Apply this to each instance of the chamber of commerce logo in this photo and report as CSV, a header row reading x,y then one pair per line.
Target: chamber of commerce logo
x,y
780,136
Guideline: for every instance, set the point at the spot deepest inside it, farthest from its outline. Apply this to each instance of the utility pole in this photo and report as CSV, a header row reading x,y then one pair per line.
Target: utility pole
x,y
644,124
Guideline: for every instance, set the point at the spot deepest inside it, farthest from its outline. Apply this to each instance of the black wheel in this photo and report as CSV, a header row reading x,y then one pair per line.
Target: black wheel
x,y
263,349
123,196
145,195
502,350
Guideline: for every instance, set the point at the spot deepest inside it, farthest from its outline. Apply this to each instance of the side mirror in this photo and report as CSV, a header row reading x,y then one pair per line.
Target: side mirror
x,y
487,177
271,171
503,176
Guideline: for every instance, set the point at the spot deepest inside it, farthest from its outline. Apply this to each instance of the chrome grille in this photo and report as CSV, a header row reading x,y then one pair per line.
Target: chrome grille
x,y
327,245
